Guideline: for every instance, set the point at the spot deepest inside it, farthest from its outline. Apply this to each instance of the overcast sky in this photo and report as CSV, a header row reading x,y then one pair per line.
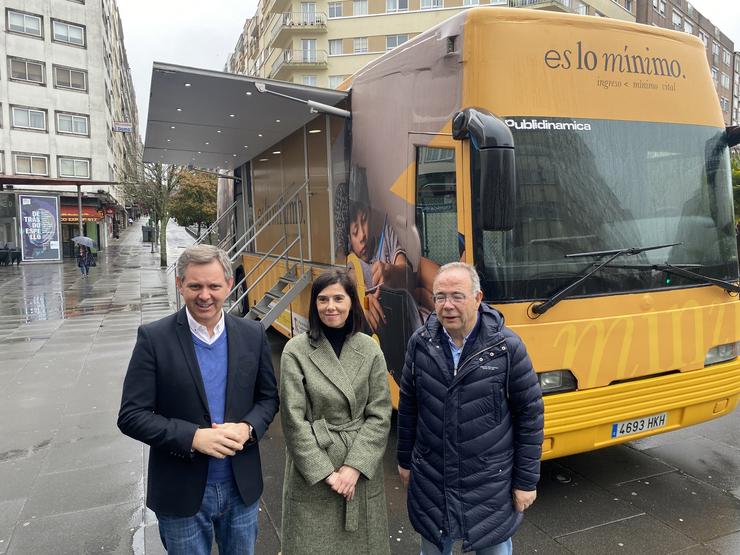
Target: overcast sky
x,y
194,33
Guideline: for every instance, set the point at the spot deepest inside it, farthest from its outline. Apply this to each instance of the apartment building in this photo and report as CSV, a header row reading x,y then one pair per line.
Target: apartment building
x,y
321,43
68,116
680,15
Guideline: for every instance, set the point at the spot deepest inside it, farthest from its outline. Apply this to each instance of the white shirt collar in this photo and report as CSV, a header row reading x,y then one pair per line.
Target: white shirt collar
x,y
201,332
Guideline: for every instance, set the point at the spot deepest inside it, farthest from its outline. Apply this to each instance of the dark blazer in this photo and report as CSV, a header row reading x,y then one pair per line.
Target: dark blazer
x,y
164,402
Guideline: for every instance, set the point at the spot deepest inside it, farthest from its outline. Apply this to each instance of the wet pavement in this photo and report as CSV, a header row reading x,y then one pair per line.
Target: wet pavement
x,y
70,483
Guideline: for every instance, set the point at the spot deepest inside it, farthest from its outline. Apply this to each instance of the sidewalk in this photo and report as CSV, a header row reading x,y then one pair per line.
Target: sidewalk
x,y
70,482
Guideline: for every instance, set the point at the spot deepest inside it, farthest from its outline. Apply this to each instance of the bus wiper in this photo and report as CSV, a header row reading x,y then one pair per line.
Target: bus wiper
x,y
612,254
686,273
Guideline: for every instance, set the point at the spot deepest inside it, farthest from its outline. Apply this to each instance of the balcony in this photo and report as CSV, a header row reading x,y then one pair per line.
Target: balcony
x,y
569,6
289,23
292,60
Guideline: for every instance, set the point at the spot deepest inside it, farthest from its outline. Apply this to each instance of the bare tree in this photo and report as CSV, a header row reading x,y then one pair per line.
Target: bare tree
x,y
154,193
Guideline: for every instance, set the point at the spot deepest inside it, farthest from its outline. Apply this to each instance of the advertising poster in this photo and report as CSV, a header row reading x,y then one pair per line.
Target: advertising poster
x,y
39,228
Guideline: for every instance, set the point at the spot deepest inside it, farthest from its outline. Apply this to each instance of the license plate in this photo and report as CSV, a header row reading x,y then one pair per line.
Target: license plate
x,y
629,427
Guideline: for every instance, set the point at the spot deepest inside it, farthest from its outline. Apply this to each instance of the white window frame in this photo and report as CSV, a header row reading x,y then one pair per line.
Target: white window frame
x,y
31,158
359,41
726,57
394,39
336,80
309,80
85,162
2,162
25,16
333,44
42,65
73,119
471,2
28,111
677,20
67,25
70,70
688,27
431,4
309,55
335,7
359,7
394,6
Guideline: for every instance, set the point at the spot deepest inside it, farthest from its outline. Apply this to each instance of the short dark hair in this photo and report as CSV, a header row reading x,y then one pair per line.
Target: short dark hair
x,y
327,278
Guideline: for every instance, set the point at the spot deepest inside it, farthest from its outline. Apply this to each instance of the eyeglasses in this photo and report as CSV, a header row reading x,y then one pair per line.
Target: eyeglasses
x,y
454,298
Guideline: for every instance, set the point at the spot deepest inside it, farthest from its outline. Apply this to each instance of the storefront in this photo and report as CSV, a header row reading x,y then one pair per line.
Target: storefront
x,y
93,226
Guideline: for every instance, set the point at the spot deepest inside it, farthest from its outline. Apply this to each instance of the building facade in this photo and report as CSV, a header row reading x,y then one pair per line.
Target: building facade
x,y
67,113
680,15
321,43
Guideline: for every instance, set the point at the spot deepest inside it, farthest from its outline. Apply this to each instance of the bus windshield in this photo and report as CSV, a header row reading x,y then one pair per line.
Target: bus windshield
x,y
595,185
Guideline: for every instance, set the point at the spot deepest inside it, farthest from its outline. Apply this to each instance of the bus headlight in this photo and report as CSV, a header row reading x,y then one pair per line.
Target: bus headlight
x,y
557,381
722,353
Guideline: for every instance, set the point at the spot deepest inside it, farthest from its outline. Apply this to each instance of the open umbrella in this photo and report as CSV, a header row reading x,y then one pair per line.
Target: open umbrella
x,y
81,240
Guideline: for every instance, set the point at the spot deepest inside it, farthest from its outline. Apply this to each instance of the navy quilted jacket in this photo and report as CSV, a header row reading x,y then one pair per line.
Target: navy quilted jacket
x,y
472,438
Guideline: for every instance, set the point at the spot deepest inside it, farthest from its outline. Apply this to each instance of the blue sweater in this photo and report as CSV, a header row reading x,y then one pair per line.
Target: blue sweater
x,y
213,361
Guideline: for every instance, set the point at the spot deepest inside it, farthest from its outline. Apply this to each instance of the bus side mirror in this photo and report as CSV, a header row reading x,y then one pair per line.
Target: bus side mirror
x,y
494,176
733,135
492,163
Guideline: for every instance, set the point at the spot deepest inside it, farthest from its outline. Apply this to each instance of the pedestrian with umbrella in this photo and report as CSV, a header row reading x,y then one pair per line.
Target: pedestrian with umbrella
x,y
85,257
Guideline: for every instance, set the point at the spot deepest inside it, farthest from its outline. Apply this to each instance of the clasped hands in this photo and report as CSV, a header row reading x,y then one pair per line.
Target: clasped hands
x,y
222,440
343,481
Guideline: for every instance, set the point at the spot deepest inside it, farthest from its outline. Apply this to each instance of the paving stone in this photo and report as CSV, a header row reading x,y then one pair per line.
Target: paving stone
x,y
631,536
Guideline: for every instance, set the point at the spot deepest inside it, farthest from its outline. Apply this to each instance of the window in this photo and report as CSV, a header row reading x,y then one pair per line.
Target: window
x,y
335,47
74,124
726,56
391,41
25,23
309,50
715,76
68,33
677,21
725,80
436,204
470,2
28,118
628,5
27,70
359,7
430,4
704,38
715,48
69,78
396,5
308,13
74,167
359,44
659,6
335,9
688,27
336,80
2,162
309,80
31,164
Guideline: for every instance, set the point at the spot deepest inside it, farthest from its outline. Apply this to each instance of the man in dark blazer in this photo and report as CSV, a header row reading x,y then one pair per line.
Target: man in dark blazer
x,y
201,392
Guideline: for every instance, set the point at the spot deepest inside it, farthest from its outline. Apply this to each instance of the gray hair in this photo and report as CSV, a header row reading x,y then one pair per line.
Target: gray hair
x,y
474,279
203,254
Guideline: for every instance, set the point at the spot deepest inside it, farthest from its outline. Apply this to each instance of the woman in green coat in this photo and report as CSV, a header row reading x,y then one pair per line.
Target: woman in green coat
x,y
336,414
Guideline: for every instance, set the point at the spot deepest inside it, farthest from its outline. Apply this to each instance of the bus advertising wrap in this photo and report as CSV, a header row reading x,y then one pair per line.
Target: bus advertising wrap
x,y
40,228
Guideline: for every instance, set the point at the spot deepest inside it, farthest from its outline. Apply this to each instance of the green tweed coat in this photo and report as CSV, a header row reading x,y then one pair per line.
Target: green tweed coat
x,y
334,413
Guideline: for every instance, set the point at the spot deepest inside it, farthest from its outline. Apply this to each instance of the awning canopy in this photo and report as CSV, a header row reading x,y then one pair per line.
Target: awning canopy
x,y
29,180
211,119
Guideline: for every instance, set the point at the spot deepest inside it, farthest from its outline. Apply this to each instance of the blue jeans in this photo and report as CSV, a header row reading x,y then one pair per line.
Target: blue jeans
x,y
222,511
428,548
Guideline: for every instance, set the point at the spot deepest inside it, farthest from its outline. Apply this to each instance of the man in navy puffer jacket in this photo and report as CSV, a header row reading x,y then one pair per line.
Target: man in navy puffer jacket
x,y
470,422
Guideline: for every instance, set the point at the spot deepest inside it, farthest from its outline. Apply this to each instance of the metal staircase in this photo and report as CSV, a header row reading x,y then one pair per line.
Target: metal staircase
x,y
295,277
279,297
